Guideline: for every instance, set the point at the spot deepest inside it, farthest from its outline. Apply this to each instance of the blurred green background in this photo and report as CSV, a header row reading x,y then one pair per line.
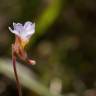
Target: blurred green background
x,y
64,47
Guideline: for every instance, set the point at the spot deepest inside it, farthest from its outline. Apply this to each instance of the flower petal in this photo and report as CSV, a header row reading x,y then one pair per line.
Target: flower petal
x,y
18,27
28,30
14,31
29,27
28,23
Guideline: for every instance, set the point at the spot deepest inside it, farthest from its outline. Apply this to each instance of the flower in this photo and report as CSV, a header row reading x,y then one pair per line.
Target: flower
x,y
22,35
23,32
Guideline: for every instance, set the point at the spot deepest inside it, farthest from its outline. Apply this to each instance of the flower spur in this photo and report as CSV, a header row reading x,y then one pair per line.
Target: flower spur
x,y
22,37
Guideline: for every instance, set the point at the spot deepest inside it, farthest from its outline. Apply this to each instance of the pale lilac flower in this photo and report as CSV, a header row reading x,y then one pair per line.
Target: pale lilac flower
x,y
22,36
23,31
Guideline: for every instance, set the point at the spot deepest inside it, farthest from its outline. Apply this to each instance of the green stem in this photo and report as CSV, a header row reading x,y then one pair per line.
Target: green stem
x,y
15,72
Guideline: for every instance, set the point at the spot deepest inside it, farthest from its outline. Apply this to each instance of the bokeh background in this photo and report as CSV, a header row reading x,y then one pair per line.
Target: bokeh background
x,y
64,47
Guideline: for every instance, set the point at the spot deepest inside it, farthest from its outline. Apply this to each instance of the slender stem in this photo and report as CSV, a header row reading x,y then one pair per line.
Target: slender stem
x,y
15,72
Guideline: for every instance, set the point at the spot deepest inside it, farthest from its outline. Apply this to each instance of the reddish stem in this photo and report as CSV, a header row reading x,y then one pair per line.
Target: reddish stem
x,y
15,72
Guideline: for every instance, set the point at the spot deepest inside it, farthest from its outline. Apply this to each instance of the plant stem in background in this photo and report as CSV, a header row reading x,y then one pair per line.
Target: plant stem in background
x,y
15,72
